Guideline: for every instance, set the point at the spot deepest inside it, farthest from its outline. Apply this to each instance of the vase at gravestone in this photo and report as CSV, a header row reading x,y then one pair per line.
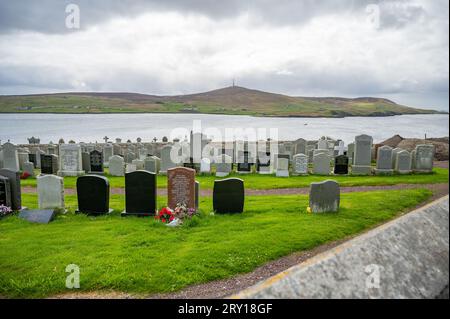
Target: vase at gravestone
x,y
10,157
403,162
15,191
151,164
224,165
166,161
384,161
41,216
70,163
424,157
140,194
181,187
228,196
321,164
116,166
341,165
49,164
363,155
93,195
264,164
50,189
5,192
96,162
205,166
300,164
28,168
282,169
324,197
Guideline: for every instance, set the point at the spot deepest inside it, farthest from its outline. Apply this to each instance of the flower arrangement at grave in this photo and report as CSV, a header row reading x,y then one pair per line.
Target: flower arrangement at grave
x,y
176,216
165,215
5,210
25,175
181,211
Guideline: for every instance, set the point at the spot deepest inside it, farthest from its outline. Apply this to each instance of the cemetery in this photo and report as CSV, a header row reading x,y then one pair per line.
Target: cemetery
x,y
127,212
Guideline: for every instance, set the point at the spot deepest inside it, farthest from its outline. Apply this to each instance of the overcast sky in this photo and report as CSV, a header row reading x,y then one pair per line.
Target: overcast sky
x,y
310,48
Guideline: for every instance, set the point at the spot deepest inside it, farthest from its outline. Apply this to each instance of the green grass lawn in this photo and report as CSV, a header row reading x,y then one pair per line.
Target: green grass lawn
x,y
141,255
256,181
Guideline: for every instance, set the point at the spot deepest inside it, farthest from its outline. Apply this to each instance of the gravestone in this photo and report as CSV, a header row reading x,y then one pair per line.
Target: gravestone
x,y
413,160
403,162
96,162
5,192
181,187
394,156
116,166
23,158
228,196
15,191
350,152
108,151
93,195
41,216
32,159
224,165
38,154
50,189
424,157
129,157
151,164
10,157
140,194
264,164
86,161
28,168
166,161
139,164
300,146
244,166
282,169
322,144
197,194
384,161
324,197
205,166
321,164
363,155
70,163
341,165
130,168
49,164
300,164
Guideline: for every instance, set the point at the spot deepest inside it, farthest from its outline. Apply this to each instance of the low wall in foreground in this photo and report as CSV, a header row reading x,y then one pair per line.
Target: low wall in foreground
x,y
406,258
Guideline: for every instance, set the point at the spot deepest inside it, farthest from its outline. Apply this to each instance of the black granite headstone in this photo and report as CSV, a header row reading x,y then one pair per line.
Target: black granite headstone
x,y
93,194
96,162
263,161
228,196
32,158
49,164
41,216
341,165
140,193
14,182
245,166
5,192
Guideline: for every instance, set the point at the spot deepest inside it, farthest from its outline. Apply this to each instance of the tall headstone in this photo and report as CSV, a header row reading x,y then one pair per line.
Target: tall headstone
x,y
23,158
394,156
14,182
244,165
341,165
152,164
38,154
108,151
70,163
384,161
49,164
300,146
93,195
10,157
321,164
300,164
228,196
28,168
363,155
424,157
166,160
140,194
181,187
5,192
205,166
96,162
224,165
403,162
350,152
282,169
50,189
324,197
116,166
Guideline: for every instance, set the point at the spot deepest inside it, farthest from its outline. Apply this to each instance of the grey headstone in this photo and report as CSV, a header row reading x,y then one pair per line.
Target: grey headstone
x,y
363,155
70,161
10,157
424,158
14,182
324,197
116,166
300,164
403,162
321,164
50,189
384,161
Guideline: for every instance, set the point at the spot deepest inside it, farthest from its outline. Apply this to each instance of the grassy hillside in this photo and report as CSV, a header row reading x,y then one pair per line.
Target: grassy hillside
x,y
231,100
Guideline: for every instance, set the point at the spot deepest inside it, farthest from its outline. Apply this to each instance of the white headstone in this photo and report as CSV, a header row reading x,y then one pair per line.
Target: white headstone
x,y
70,163
300,164
282,169
10,157
321,164
116,166
205,166
50,190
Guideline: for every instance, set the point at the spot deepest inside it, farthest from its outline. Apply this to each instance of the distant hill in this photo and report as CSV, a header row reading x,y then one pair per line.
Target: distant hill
x,y
231,100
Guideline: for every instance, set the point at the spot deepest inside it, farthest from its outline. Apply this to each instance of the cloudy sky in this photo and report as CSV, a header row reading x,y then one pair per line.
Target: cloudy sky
x,y
395,49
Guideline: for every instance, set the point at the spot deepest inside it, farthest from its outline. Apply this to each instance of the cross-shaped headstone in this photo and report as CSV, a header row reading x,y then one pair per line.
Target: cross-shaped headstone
x,y
106,138
341,148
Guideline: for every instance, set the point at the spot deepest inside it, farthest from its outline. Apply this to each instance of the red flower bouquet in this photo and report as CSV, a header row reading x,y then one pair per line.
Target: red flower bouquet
x,y
25,175
165,215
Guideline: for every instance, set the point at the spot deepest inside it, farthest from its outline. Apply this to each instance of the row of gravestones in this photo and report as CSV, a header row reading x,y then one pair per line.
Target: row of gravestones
x,y
397,160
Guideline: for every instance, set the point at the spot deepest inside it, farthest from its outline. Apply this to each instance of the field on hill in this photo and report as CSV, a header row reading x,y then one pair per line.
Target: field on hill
x,y
231,101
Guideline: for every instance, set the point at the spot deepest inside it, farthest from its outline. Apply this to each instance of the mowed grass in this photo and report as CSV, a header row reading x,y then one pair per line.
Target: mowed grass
x,y
141,255
256,181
